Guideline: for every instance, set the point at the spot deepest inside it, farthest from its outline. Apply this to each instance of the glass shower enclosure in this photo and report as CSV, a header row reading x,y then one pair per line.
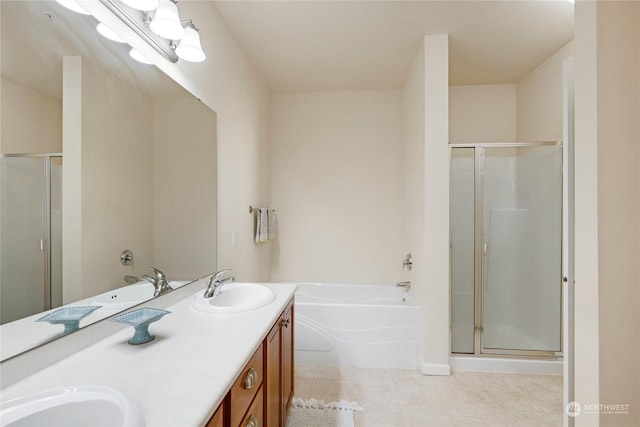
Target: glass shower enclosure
x,y
31,234
506,242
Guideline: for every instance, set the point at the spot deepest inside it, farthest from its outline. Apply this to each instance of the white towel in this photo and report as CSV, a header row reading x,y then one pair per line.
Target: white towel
x,y
262,225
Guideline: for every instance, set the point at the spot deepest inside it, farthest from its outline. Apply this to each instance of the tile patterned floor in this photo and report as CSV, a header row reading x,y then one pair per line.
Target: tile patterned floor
x,y
405,398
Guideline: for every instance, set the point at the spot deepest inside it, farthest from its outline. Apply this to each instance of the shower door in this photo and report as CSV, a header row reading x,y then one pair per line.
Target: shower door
x,y
506,219
31,235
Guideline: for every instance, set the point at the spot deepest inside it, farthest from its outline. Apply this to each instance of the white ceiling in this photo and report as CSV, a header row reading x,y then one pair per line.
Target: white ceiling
x,y
300,45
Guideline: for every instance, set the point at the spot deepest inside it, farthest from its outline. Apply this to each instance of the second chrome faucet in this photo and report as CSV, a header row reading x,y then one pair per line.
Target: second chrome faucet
x,y
216,282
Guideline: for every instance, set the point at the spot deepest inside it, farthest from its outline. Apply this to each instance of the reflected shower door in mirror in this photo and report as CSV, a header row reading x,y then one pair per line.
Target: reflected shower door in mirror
x,y
506,228
31,230
140,162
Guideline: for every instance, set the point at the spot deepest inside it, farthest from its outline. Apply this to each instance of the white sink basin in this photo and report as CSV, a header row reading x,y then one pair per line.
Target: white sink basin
x,y
130,295
82,406
234,298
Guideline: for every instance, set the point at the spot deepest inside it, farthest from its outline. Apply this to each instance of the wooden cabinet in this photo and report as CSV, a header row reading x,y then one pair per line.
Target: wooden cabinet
x,y
279,369
261,395
246,387
218,418
287,361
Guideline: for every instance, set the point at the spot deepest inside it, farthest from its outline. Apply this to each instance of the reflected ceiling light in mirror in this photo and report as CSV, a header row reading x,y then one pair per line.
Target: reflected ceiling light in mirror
x,y
190,48
144,5
73,5
166,21
108,33
135,54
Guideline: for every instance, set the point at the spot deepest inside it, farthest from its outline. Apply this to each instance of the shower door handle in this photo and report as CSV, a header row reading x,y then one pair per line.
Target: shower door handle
x,y
485,248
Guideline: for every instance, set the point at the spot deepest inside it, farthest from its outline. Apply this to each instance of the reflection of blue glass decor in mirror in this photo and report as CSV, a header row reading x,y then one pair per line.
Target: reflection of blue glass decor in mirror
x,y
140,319
69,317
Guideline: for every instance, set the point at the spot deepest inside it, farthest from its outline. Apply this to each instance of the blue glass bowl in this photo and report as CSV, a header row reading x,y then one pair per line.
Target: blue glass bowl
x,y
140,319
69,317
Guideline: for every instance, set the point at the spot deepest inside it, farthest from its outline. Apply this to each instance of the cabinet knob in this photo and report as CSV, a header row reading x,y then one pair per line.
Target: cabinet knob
x,y
252,422
285,322
251,379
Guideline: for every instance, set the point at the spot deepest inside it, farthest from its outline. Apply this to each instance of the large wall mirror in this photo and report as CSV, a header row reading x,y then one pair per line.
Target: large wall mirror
x,y
119,157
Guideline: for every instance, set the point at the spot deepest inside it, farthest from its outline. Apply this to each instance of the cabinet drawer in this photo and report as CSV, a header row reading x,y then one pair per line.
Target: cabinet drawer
x,y
246,387
254,416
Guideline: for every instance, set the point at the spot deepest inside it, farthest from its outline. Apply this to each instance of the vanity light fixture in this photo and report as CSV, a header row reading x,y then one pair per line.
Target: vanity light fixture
x,y
73,5
108,33
161,29
166,21
190,48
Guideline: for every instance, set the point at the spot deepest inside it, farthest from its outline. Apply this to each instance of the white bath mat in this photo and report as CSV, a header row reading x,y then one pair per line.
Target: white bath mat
x,y
316,413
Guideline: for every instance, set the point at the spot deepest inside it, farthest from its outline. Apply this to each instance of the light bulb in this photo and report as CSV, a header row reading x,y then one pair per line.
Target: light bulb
x,y
135,54
189,48
108,33
166,21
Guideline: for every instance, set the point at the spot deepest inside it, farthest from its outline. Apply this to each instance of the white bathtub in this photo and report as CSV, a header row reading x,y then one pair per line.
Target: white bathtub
x,y
356,325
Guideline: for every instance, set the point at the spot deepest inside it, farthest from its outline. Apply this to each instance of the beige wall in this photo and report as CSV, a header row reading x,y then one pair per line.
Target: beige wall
x,y
607,198
539,100
413,107
425,99
184,188
117,179
228,84
31,121
337,186
434,292
618,37
482,113
72,179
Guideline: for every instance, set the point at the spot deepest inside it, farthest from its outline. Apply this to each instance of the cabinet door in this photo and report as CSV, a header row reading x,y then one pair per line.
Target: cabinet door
x,y
287,366
246,387
255,413
272,366
218,417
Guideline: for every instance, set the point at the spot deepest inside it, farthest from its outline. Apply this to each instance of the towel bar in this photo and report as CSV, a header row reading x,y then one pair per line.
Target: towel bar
x,y
252,209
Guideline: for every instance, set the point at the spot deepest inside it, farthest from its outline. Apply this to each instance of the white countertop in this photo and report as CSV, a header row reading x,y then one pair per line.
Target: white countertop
x,y
26,333
181,376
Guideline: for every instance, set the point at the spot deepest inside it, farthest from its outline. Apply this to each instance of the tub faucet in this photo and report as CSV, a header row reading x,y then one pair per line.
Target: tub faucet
x,y
215,283
159,282
404,285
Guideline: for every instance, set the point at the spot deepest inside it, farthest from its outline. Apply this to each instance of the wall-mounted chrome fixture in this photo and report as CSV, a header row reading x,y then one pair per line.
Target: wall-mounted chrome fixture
x,y
407,263
157,22
126,257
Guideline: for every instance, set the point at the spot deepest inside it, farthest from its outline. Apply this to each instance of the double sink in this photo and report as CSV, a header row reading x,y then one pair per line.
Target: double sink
x,y
85,406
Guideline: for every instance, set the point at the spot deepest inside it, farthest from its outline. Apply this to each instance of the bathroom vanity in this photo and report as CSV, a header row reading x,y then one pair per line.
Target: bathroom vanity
x,y
262,393
201,369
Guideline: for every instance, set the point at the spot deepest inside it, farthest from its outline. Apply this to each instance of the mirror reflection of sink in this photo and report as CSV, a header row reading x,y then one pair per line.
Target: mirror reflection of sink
x,y
130,295
234,298
80,406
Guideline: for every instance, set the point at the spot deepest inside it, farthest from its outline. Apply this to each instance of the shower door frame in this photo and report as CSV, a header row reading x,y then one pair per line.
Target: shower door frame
x,y
46,219
479,151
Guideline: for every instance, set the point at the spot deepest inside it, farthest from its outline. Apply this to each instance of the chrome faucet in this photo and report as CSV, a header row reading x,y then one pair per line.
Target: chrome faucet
x,y
159,282
215,283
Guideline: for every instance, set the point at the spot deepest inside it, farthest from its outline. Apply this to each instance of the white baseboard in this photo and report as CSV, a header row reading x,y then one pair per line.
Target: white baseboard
x,y
512,365
442,369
